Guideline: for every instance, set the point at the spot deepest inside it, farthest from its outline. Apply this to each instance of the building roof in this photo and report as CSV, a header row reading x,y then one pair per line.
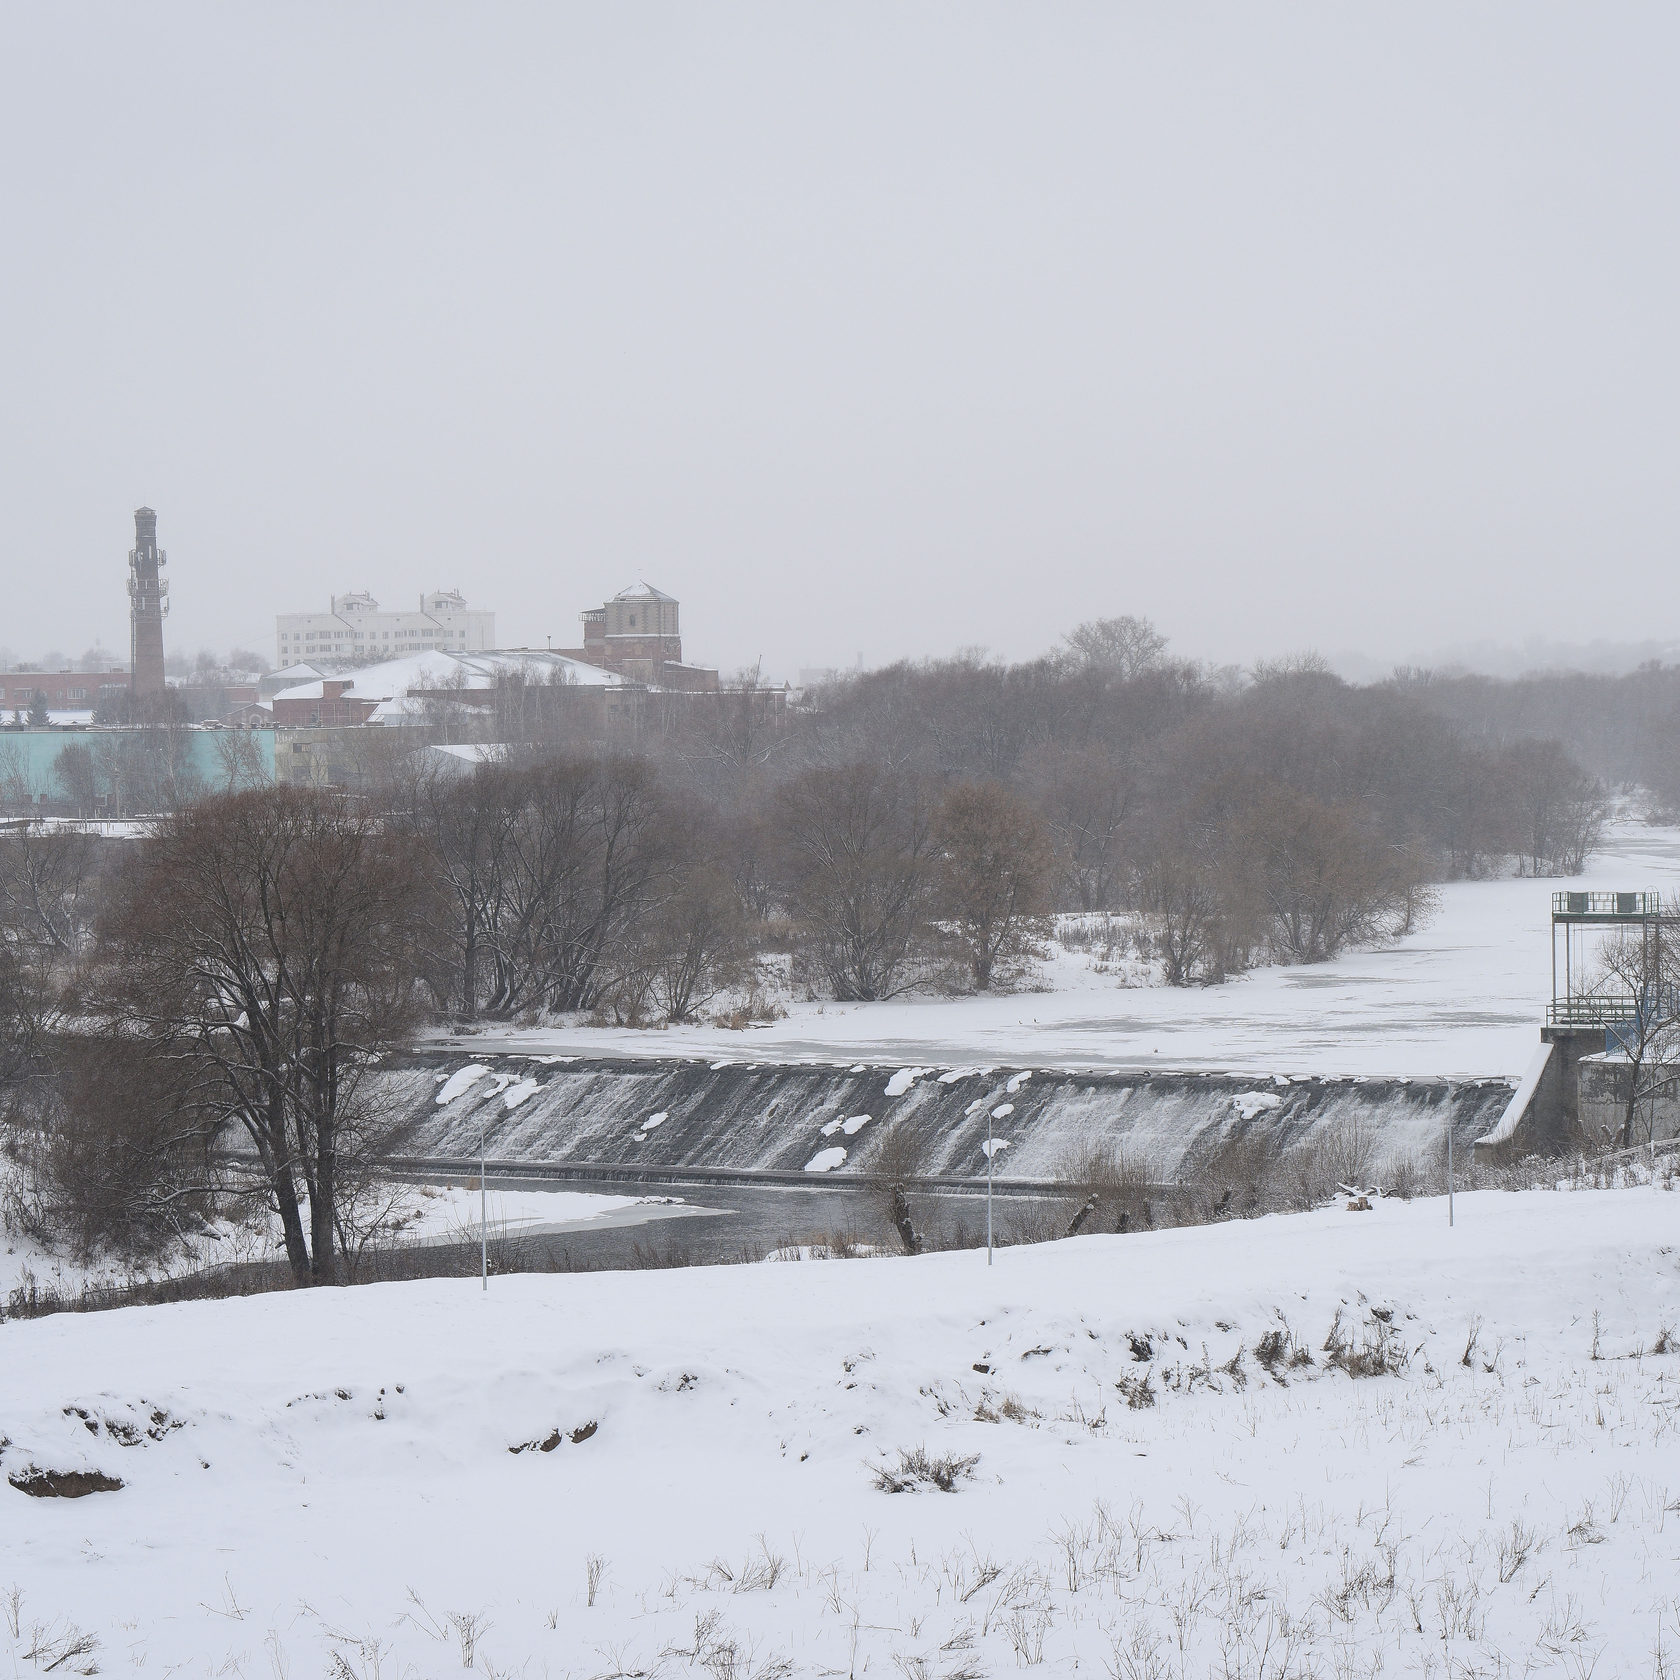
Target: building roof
x,y
473,752
644,592
396,679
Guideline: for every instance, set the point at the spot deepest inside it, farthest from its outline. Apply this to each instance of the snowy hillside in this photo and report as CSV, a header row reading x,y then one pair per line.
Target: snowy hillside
x,y
1160,1463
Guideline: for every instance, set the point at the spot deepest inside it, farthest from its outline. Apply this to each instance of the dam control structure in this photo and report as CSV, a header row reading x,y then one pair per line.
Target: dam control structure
x,y
1606,971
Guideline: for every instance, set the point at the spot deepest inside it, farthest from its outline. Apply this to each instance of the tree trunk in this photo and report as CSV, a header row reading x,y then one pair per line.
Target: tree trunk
x,y
322,1230
291,1222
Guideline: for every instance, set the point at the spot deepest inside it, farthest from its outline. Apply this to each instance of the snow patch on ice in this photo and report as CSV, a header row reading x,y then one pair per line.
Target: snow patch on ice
x,y
826,1160
514,1095
1017,1082
1250,1103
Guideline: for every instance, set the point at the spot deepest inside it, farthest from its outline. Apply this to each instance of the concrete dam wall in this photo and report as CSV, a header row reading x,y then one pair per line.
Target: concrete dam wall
x,y
647,1115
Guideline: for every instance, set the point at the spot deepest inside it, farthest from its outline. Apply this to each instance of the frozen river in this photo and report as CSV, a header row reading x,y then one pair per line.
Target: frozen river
x,y
1464,996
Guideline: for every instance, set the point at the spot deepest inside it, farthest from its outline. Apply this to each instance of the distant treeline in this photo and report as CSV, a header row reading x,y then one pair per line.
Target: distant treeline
x,y
1625,729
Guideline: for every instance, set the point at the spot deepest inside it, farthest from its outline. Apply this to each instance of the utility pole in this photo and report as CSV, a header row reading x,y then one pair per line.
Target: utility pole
x,y
990,1152
483,1205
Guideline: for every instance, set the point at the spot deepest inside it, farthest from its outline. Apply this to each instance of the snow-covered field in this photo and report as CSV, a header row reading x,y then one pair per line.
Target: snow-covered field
x,y
1463,996
672,1474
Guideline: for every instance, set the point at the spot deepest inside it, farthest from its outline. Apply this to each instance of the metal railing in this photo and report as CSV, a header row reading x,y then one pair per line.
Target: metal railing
x,y
1592,1010
1610,905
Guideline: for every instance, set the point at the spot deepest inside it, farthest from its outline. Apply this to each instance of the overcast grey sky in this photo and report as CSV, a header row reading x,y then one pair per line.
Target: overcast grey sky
x,y
881,329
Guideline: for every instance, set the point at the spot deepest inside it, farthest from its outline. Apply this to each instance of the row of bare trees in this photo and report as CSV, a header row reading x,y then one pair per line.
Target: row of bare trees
x,y
582,882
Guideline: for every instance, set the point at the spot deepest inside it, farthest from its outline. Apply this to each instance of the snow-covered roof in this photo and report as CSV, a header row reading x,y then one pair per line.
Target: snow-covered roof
x,y
473,752
428,672
297,673
644,592
407,708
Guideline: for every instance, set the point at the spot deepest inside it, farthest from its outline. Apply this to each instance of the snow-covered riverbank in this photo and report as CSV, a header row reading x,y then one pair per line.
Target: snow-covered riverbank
x,y
1170,1466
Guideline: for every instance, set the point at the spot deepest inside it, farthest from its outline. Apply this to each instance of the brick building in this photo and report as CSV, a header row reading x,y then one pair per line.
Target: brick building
x,y
636,635
65,691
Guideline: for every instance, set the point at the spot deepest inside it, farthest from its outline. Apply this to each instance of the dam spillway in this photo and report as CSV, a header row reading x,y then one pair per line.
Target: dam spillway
x,y
643,1116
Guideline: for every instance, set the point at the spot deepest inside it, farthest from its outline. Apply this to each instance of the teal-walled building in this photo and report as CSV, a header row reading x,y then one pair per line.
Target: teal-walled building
x,y
208,756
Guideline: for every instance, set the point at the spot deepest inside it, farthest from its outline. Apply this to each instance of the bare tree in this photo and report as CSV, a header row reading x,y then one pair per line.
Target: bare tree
x,y
1557,809
462,822
1322,881
261,940
238,758
78,779
859,853
1123,647
548,863
46,879
993,875
149,771
899,1157
1180,887
1088,795
46,913
1644,966
19,784
126,1157
540,705
693,942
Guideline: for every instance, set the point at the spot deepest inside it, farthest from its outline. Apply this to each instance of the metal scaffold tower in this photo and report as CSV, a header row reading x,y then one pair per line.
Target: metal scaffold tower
x,y
1586,994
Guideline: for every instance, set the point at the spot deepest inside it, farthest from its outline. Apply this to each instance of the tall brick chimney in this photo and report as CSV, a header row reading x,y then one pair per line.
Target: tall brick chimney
x,y
148,603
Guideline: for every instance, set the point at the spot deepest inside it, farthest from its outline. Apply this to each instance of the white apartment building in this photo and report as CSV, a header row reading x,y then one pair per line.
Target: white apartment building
x,y
357,631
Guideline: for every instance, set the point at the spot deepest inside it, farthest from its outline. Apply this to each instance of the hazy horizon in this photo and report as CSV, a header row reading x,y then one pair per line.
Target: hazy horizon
x,y
876,330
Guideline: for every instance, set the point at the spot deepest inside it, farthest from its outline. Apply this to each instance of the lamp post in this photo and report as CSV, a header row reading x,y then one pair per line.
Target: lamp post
x,y
1449,1174
989,1154
483,1213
